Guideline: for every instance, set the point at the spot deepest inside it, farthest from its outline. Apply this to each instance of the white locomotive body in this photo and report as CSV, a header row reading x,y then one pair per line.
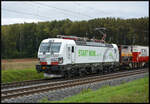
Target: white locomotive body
x,y
67,57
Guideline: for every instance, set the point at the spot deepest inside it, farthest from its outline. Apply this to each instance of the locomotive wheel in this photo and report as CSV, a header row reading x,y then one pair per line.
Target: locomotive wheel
x,y
81,73
69,74
108,70
104,71
101,71
111,70
72,73
65,74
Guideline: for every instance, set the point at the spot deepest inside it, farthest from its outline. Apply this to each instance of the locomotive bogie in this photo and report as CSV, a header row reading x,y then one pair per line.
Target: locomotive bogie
x,y
80,69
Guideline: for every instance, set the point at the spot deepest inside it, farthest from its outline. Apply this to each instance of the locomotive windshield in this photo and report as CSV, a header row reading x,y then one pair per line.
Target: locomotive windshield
x,y
50,47
55,47
44,47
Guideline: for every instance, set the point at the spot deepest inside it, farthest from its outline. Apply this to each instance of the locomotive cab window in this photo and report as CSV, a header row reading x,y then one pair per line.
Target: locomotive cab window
x,y
50,47
72,49
44,47
55,47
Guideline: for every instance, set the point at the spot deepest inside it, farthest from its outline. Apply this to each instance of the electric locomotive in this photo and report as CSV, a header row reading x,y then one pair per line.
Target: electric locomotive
x,y
69,56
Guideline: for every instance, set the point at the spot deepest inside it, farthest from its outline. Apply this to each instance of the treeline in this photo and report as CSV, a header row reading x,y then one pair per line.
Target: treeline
x,y
23,40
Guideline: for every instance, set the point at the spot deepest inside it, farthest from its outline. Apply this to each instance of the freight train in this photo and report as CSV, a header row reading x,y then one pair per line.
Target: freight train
x,y
70,56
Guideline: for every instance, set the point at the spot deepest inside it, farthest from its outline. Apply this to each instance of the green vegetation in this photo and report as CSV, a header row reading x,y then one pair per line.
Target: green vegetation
x,y
15,75
132,92
22,40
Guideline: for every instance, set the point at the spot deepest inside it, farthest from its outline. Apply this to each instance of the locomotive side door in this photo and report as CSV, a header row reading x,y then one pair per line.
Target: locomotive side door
x,y
71,53
68,54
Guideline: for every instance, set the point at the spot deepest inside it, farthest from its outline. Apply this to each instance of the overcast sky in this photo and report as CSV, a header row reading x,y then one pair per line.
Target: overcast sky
x,y
34,11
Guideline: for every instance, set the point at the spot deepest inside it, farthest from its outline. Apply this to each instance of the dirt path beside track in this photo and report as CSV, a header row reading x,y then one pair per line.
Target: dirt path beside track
x,y
18,60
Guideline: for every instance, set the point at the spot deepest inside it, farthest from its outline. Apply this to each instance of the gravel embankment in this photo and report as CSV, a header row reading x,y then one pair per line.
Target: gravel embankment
x,y
62,93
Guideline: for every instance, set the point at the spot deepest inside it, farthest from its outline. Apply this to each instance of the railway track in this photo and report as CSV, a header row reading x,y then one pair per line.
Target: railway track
x,y
26,83
12,93
40,81
33,82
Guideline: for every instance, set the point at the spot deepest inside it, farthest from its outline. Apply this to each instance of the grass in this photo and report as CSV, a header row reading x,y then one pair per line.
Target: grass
x,y
132,92
20,75
14,70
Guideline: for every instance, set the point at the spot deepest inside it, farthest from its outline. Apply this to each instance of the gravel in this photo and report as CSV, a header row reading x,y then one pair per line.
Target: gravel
x,y
67,92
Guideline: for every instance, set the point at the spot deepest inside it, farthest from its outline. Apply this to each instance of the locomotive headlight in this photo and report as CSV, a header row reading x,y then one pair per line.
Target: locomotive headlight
x,y
60,60
43,67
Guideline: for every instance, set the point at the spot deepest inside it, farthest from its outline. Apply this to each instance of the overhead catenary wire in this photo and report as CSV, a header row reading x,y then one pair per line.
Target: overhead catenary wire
x,y
20,12
66,14
65,10
91,8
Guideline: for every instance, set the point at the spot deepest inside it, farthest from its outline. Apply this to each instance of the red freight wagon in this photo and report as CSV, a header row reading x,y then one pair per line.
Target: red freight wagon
x,y
140,54
134,56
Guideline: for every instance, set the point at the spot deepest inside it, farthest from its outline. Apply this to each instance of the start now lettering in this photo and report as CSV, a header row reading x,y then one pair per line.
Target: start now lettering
x,y
86,53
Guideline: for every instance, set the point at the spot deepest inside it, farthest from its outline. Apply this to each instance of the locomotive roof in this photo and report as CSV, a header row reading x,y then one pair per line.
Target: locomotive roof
x,y
82,43
95,44
56,40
